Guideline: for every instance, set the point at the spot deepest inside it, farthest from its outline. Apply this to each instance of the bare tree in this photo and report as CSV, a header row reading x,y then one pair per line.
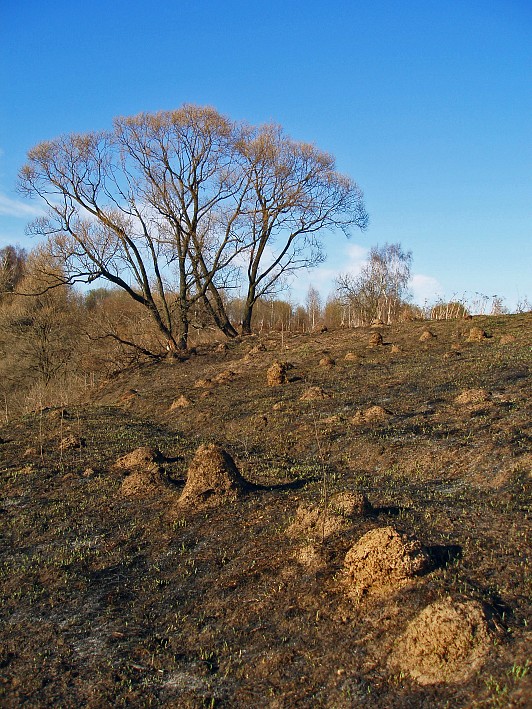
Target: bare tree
x,y
138,205
313,305
169,206
295,196
381,288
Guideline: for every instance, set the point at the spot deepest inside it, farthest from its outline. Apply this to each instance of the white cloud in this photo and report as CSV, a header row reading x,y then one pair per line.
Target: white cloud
x,y
16,208
425,289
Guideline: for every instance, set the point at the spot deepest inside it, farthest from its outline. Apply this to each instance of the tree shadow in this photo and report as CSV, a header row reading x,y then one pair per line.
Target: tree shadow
x,y
293,485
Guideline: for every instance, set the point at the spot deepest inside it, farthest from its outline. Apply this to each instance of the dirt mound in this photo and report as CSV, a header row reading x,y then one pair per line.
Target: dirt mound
x,y
446,642
142,470
259,347
327,361
212,478
477,334
277,374
375,414
506,339
143,481
352,357
180,403
315,394
313,521
395,349
71,442
472,396
426,335
203,383
139,457
375,339
225,377
377,322
382,561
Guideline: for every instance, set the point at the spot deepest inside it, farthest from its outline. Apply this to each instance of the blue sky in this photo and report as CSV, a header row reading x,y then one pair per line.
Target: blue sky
x,y
426,104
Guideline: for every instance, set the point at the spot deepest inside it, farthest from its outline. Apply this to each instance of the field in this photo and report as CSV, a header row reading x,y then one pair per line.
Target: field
x,y
374,551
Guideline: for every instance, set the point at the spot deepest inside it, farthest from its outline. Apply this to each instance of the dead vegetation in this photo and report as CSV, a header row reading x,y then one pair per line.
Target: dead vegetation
x,y
263,546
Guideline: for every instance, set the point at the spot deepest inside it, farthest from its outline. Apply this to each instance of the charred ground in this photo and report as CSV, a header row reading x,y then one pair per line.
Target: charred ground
x,y
116,595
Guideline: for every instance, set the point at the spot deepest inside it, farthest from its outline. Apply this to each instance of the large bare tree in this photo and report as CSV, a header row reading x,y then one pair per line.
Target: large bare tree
x,y
169,206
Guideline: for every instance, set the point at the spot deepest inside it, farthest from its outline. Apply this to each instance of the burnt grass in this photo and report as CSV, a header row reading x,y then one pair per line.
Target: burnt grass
x,y
108,600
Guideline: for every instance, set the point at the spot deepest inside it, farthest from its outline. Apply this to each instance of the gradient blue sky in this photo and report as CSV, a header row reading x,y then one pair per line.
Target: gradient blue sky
x,y
426,104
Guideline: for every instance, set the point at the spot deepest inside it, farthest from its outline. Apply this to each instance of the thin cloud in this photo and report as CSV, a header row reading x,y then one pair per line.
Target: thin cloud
x,y
425,289
16,208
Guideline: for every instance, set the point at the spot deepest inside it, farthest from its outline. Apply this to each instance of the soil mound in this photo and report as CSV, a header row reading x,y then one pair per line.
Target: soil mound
x,y
139,457
71,442
203,383
471,397
446,642
259,347
212,478
352,357
426,335
377,322
506,339
180,403
142,470
314,522
315,394
327,361
375,414
382,561
476,334
375,339
225,377
277,374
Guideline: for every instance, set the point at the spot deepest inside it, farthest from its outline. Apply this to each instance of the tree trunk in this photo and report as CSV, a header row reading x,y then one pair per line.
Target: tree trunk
x,y
247,312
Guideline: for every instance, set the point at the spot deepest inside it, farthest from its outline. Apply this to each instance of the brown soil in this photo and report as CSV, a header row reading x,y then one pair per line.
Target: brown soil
x,y
142,471
327,361
71,441
212,478
224,377
277,374
315,393
375,414
426,335
383,561
318,522
140,457
180,403
375,339
447,642
472,396
476,334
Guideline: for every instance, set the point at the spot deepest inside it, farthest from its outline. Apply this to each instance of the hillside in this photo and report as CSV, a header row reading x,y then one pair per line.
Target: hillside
x,y
375,552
